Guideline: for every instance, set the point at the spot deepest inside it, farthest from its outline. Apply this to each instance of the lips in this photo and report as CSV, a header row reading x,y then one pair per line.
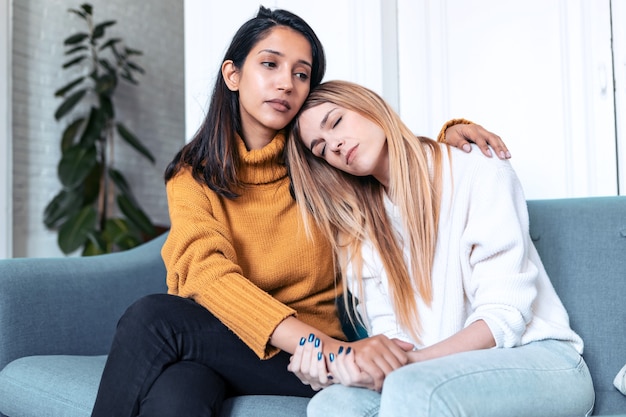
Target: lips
x,y
279,105
350,154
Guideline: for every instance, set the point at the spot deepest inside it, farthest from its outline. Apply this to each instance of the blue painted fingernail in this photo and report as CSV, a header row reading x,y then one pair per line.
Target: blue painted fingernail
x,y
317,342
302,340
348,350
330,377
331,356
319,356
340,350
311,337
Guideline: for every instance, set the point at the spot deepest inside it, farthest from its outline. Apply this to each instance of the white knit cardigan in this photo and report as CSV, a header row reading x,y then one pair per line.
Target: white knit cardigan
x,y
485,267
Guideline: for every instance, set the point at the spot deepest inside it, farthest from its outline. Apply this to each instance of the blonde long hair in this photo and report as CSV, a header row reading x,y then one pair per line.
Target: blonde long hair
x,y
350,209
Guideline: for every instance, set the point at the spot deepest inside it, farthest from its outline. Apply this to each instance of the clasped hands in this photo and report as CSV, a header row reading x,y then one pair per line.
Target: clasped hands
x,y
364,363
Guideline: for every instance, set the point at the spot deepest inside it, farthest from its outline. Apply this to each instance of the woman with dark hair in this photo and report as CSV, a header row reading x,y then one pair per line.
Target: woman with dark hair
x,y
244,281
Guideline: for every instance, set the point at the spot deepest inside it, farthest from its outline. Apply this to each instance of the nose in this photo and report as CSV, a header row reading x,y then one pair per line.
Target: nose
x,y
336,144
285,82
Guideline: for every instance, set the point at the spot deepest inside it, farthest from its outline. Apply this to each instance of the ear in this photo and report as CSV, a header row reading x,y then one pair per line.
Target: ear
x,y
231,75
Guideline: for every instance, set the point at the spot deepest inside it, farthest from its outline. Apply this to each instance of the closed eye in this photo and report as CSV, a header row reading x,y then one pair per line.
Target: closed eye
x,y
337,122
316,144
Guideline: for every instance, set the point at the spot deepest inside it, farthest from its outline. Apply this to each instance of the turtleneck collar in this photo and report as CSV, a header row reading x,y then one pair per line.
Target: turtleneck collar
x,y
265,165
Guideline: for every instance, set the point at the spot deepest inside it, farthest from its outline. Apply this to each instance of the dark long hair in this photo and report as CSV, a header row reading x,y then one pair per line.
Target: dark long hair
x,y
212,153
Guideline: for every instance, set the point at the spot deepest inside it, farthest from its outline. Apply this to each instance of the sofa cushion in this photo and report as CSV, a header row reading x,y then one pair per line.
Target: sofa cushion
x,y
265,406
38,386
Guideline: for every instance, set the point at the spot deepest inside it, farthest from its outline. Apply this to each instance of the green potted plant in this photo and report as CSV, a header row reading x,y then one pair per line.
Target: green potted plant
x,y
84,211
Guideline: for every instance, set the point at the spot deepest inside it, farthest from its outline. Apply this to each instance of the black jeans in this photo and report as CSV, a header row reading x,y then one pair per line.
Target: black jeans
x,y
172,357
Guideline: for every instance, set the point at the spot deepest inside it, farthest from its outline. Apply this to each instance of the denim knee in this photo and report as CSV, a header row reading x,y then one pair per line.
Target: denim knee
x,y
541,378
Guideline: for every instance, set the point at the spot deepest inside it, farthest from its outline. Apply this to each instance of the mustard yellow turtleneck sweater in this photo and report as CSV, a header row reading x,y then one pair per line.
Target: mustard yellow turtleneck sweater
x,y
248,260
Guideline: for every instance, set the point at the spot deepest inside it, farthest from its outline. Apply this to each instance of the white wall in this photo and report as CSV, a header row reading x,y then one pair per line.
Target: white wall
x,y
154,110
6,214
536,72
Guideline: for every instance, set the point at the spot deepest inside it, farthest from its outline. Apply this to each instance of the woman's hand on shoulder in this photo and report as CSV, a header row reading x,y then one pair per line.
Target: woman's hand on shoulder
x,y
460,135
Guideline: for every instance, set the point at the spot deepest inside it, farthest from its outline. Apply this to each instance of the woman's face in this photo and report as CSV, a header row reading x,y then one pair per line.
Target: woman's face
x,y
273,83
346,140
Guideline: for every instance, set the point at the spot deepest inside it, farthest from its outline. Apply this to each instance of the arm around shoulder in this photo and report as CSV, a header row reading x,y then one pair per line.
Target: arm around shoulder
x,y
460,132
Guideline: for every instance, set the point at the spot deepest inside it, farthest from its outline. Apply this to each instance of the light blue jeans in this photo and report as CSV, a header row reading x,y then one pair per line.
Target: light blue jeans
x,y
547,378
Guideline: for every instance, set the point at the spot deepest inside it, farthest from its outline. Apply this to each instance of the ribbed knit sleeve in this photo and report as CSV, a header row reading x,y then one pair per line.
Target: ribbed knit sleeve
x,y
502,285
202,264
441,137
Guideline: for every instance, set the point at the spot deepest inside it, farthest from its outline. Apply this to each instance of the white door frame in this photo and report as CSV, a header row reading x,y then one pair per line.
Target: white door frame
x,y
6,154
618,10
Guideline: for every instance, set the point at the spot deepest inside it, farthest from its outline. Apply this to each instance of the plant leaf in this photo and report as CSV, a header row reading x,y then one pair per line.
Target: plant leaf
x,y
106,84
63,90
134,142
91,185
135,67
87,8
65,204
70,132
130,51
78,12
73,234
69,103
118,57
76,49
98,31
94,128
122,185
126,75
75,164
74,61
76,38
118,232
95,245
110,43
106,105
107,66
135,215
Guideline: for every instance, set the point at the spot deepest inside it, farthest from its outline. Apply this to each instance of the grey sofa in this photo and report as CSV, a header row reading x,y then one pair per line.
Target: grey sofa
x,y
57,316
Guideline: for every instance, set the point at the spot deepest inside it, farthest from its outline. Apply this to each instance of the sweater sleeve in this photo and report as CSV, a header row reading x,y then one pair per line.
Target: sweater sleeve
x,y
202,264
500,281
441,137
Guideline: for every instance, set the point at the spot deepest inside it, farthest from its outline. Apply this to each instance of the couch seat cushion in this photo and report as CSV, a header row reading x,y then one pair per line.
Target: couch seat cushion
x,y
54,386
265,406
40,386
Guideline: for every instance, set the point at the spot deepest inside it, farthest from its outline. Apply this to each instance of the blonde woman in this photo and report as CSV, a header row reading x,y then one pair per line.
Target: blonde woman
x,y
434,244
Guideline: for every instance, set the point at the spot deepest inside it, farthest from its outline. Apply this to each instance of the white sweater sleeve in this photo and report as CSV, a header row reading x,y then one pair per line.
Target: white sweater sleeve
x,y
500,280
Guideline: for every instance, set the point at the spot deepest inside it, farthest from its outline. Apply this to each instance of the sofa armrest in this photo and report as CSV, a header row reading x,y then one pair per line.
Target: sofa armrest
x,y
71,306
